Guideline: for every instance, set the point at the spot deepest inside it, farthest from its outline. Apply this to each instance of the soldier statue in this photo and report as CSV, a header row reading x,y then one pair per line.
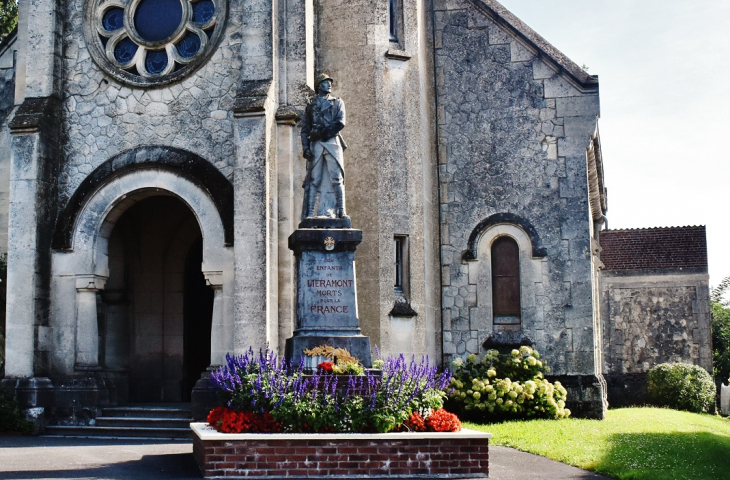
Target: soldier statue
x,y
323,146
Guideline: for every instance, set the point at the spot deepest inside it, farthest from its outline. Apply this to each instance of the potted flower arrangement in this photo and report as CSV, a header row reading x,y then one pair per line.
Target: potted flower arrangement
x,y
333,360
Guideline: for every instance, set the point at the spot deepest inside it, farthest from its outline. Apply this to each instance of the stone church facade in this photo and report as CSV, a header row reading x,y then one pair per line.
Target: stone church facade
x,y
151,175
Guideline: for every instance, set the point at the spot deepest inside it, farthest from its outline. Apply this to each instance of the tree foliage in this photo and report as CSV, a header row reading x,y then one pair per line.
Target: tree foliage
x,y
720,310
8,17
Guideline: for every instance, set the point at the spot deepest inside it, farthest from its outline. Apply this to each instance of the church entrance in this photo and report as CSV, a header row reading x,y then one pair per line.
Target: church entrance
x,y
156,309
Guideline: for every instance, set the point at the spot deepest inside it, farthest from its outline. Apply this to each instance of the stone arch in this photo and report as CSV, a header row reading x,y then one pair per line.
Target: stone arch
x,y
86,260
98,216
537,249
182,162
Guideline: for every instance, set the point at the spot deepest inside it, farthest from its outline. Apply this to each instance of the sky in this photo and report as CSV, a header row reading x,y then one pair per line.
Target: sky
x,y
664,71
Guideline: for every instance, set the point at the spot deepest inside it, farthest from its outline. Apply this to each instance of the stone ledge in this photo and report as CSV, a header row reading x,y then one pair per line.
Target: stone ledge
x,y
397,54
206,432
34,114
463,454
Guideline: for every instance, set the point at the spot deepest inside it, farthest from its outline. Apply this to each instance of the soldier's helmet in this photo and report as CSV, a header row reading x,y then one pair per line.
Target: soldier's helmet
x,y
321,78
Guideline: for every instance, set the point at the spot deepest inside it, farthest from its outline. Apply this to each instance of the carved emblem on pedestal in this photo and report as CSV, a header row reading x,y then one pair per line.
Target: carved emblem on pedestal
x,y
329,243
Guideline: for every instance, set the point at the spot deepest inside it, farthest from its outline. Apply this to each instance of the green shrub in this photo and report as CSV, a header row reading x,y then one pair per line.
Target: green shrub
x,y
11,418
682,386
501,387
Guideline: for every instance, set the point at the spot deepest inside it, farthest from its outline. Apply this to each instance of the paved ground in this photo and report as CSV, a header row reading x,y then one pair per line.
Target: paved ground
x,y
510,464
48,457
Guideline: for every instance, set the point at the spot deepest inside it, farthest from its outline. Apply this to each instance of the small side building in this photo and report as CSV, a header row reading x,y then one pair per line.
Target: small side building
x,y
654,305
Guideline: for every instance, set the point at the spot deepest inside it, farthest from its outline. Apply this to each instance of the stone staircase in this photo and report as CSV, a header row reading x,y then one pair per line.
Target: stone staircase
x,y
133,422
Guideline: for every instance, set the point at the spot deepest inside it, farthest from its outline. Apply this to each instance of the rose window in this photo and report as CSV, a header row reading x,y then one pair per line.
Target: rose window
x,y
154,41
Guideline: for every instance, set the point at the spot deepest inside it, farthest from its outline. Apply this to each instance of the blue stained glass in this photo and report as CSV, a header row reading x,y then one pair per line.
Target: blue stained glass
x,y
156,61
203,11
113,19
157,20
189,45
124,50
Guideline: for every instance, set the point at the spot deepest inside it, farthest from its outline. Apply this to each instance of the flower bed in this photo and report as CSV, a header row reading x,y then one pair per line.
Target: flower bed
x,y
463,454
260,394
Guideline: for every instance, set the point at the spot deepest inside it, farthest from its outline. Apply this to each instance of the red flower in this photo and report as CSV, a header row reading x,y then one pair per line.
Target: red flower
x,y
228,420
215,417
326,366
443,421
414,424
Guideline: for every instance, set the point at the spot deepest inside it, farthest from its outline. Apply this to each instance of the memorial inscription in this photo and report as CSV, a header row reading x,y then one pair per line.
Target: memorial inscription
x,y
328,292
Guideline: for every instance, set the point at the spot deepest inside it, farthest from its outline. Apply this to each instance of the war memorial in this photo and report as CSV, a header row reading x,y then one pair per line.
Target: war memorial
x,y
183,179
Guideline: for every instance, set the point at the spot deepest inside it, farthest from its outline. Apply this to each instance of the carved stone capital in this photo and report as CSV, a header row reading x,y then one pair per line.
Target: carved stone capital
x,y
90,283
214,279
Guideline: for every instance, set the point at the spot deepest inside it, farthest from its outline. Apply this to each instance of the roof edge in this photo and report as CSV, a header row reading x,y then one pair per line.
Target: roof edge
x,y
640,229
8,40
596,187
506,18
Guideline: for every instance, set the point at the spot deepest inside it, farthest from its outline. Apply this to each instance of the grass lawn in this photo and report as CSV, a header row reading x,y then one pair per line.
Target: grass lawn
x,y
632,443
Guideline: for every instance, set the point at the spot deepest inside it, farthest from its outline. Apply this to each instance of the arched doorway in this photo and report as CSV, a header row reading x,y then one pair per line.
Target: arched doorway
x,y
156,308
102,326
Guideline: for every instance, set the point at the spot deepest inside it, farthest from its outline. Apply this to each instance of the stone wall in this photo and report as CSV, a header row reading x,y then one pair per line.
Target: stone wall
x,y
103,117
648,319
390,170
515,118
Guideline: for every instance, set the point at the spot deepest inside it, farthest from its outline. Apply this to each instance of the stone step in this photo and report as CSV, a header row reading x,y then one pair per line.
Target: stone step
x,y
143,422
116,432
147,412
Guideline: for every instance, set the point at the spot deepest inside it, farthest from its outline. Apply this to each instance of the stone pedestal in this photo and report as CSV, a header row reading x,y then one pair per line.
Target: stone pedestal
x,y
35,396
326,298
586,395
30,392
205,396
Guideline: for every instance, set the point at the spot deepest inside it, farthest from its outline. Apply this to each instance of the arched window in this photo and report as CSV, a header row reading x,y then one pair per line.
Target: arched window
x,y
506,281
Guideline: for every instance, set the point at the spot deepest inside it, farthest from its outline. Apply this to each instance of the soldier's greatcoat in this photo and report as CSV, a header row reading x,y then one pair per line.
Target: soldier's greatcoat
x,y
323,113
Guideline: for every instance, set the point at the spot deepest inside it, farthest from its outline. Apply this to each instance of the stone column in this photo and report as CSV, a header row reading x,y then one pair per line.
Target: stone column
x,y
288,212
87,325
33,177
254,185
204,397
219,341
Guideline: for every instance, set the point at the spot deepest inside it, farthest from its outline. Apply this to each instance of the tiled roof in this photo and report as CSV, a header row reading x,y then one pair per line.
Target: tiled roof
x,y
654,248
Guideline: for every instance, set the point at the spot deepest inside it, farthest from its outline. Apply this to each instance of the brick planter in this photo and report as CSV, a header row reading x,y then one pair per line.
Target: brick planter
x,y
413,455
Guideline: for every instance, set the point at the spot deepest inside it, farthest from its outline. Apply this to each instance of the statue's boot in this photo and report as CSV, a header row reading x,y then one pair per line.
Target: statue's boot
x,y
340,201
